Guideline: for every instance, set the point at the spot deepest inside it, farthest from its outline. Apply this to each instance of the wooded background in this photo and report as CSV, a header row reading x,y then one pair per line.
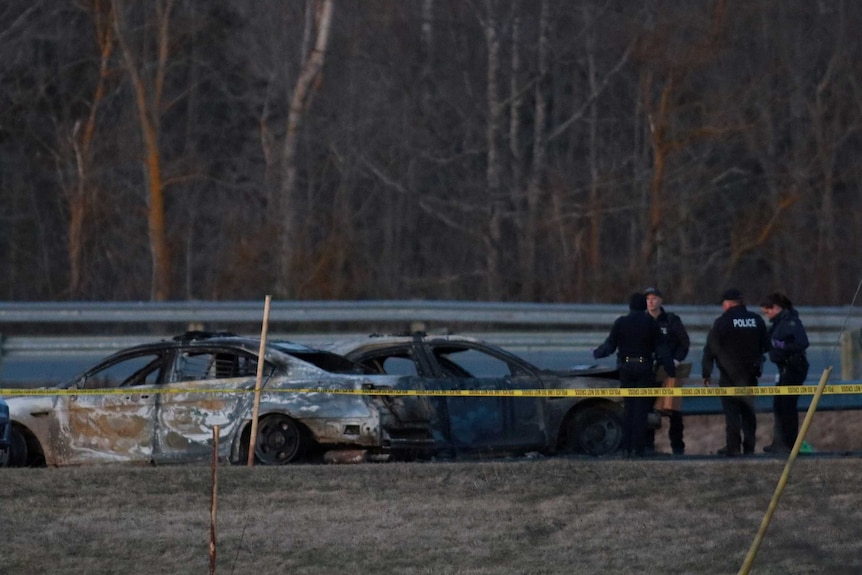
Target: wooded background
x,y
516,150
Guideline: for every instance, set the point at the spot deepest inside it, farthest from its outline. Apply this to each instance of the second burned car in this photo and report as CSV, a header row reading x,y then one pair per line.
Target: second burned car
x,y
497,423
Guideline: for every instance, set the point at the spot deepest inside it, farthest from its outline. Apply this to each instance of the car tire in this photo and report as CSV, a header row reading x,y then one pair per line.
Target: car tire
x,y
18,453
595,430
280,440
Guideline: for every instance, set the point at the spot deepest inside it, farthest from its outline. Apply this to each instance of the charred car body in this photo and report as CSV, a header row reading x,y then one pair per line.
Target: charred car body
x,y
497,423
159,402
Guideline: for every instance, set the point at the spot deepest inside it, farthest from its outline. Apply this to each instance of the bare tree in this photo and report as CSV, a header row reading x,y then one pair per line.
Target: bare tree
x,y
81,196
535,182
594,201
489,149
307,83
493,237
664,141
831,128
148,83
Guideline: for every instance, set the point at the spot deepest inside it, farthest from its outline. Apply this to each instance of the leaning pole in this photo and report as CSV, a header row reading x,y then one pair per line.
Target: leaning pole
x,y
260,361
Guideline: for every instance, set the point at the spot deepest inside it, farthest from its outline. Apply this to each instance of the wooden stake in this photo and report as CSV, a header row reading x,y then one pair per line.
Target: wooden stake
x,y
260,361
213,502
779,489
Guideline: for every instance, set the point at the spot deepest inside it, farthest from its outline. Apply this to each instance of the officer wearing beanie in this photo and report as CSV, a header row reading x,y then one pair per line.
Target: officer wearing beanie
x,y
737,342
637,339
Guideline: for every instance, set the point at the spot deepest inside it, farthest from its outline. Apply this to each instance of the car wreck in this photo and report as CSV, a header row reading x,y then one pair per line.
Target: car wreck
x,y
159,402
497,422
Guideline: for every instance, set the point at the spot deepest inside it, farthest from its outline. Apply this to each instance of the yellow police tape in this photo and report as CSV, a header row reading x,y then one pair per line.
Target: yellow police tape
x,y
835,389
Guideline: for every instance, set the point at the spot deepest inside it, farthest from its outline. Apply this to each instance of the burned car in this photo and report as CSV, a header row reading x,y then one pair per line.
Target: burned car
x,y
564,423
159,402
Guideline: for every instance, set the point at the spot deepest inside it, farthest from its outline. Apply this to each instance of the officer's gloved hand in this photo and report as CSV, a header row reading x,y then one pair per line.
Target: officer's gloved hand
x,y
778,344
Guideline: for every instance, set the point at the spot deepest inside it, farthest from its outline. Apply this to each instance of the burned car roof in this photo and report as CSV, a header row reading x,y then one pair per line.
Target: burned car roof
x,y
277,351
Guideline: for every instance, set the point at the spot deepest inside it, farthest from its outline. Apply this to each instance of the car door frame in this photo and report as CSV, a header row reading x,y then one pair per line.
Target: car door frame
x,y
189,410
522,420
119,424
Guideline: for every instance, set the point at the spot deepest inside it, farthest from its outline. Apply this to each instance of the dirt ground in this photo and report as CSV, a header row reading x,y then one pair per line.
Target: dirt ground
x,y
830,431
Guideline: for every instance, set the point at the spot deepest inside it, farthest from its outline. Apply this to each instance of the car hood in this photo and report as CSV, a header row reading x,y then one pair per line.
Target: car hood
x,y
585,370
577,379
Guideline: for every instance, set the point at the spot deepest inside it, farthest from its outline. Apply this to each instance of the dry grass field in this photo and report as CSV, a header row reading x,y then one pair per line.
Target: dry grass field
x,y
503,517
830,431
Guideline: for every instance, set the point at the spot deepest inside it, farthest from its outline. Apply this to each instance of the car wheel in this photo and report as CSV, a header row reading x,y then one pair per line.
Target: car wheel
x,y
17,449
279,440
597,430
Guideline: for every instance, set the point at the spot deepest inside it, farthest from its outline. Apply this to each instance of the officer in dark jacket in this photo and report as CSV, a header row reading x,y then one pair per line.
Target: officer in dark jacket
x,y
678,343
637,338
787,344
736,342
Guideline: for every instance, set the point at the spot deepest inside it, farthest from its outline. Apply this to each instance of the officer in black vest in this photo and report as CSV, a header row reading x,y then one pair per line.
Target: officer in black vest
x,y
737,342
638,338
678,343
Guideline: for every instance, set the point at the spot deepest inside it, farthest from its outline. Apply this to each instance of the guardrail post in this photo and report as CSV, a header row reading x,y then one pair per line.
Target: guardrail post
x,y
851,355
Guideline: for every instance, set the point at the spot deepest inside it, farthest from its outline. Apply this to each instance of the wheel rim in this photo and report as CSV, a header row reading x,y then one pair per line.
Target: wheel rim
x,y
598,432
279,441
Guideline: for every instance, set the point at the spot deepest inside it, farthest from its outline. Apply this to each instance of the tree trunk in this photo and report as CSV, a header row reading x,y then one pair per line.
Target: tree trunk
x,y
80,197
825,132
529,268
494,232
148,97
661,147
306,85
594,249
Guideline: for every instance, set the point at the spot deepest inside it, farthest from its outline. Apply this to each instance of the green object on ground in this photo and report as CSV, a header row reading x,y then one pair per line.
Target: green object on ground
x,y
806,448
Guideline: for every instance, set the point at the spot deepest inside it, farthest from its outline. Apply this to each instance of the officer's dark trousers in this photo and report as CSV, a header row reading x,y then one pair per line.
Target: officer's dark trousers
x,y
784,408
740,420
636,408
675,431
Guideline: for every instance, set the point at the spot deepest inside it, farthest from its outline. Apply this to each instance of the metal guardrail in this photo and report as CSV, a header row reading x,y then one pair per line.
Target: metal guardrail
x,y
377,311
516,340
553,325
519,327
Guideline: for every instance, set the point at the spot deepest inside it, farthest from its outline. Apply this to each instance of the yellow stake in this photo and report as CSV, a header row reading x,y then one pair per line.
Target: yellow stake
x,y
260,361
773,505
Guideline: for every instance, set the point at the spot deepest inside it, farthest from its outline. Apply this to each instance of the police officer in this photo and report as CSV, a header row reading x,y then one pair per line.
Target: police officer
x,y
637,338
678,343
736,342
787,344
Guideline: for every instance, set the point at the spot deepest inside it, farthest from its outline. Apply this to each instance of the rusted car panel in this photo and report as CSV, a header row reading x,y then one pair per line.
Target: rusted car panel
x,y
496,423
122,415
